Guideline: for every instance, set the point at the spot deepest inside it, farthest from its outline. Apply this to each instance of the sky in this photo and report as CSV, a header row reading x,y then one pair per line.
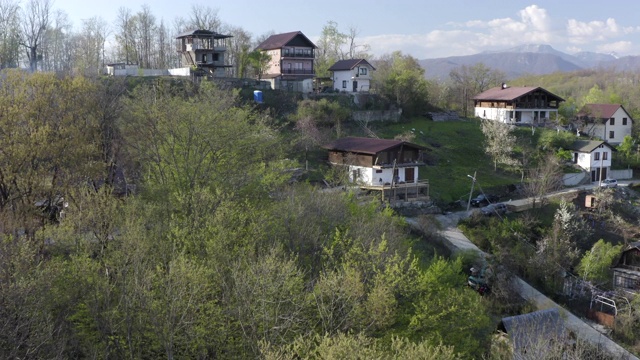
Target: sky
x,y
421,28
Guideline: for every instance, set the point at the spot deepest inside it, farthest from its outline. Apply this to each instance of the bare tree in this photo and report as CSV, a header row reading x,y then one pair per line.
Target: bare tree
x,y
544,178
35,20
124,36
356,51
203,17
238,50
9,34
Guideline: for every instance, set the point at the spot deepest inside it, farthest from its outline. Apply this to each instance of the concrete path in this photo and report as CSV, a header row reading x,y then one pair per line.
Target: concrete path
x,y
456,241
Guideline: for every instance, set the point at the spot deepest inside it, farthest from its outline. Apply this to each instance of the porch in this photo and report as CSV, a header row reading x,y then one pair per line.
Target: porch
x,y
405,192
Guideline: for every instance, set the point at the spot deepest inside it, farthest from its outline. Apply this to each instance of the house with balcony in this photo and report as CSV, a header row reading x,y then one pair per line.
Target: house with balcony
x,y
594,157
291,65
517,105
609,122
203,51
389,166
352,75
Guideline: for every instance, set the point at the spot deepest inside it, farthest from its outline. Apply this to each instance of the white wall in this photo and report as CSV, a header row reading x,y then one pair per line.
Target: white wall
x,y
620,131
349,76
369,175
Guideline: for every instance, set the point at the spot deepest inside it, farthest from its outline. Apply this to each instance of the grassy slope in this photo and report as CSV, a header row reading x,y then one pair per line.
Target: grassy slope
x,y
454,150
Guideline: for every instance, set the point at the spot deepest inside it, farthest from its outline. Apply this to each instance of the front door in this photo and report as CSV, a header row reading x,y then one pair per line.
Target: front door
x,y
355,86
409,174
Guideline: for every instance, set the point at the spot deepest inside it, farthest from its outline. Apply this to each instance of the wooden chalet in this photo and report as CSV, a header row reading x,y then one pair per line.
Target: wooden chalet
x,y
518,104
390,166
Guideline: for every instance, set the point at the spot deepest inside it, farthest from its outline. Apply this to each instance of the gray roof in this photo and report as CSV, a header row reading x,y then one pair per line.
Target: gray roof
x,y
530,330
349,64
588,146
201,33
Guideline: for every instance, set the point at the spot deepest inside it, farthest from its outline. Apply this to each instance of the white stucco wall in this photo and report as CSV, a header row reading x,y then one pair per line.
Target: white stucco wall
x,y
620,131
502,114
588,162
349,76
369,176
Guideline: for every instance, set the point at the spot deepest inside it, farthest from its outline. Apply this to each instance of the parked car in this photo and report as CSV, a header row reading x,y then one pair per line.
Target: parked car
x,y
609,183
494,209
483,200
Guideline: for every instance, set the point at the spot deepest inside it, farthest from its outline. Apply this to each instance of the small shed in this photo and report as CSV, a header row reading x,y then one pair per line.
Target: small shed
x,y
626,272
534,333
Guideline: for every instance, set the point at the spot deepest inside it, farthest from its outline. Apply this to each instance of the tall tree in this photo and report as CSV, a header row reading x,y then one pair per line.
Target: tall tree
x,y
356,51
329,48
203,17
238,47
9,33
469,81
35,20
400,79
259,60
499,142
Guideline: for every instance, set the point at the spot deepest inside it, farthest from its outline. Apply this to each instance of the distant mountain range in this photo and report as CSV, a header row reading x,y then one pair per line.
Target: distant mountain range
x,y
529,60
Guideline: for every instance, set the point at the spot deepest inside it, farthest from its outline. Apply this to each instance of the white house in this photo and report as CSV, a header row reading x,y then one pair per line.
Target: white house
x,y
352,75
593,156
525,104
609,122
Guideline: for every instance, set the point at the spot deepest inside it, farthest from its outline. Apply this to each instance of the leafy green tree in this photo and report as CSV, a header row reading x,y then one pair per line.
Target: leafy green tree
x,y
259,60
447,312
400,79
596,263
329,48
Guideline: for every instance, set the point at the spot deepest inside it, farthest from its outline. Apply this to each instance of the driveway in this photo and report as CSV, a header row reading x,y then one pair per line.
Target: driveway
x,y
456,241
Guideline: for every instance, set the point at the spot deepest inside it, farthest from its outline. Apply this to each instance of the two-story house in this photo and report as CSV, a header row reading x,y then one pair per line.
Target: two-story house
x,y
203,51
593,156
377,161
609,122
523,104
352,75
291,65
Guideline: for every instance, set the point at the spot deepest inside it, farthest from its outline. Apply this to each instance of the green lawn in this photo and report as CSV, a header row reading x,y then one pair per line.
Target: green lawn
x,y
454,150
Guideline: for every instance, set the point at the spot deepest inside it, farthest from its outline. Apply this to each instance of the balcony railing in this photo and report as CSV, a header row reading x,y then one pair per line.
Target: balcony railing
x,y
297,71
297,55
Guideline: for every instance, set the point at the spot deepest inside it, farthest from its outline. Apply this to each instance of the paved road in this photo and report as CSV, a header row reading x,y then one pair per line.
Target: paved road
x,y
457,241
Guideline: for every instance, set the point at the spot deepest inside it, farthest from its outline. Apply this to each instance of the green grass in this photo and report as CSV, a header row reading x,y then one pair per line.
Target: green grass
x,y
454,150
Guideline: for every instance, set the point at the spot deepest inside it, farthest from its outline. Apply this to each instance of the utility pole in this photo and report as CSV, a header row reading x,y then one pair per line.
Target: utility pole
x,y
473,182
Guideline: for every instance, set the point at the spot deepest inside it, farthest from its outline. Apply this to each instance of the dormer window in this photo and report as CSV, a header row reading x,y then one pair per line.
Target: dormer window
x,y
363,71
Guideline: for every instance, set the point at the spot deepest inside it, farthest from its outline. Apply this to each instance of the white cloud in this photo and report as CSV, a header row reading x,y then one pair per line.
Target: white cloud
x,y
617,47
581,32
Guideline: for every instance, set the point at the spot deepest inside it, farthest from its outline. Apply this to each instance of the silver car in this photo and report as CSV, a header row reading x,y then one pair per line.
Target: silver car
x,y
494,209
609,183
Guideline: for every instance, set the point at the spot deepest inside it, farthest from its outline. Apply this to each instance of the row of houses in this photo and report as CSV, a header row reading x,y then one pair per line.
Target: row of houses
x,y
291,65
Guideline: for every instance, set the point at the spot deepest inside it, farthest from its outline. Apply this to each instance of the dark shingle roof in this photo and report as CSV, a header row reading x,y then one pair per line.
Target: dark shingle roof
x,y
588,146
349,64
277,41
510,93
366,145
202,33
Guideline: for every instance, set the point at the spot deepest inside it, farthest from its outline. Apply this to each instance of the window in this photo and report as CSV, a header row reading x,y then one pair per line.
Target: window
x,y
363,71
378,171
344,84
596,156
611,135
612,121
624,121
605,155
204,58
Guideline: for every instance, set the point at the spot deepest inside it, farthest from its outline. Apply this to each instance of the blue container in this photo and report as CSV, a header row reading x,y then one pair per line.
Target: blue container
x,y
257,96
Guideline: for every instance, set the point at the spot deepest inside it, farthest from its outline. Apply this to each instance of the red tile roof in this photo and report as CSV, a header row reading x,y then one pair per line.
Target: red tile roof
x,y
602,111
510,93
349,64
367,145
278,41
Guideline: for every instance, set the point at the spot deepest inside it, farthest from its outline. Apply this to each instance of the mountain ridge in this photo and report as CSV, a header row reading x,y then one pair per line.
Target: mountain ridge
x,y
529,59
